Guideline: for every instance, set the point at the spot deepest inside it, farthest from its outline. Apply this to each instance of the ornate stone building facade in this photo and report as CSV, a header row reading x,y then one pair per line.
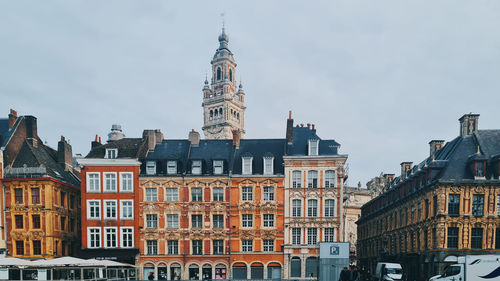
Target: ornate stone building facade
x,y
314,187
223,102
446,206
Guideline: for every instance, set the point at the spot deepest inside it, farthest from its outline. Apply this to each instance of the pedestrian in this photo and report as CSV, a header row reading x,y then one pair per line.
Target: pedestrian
x,y
344,275
151,276
353,274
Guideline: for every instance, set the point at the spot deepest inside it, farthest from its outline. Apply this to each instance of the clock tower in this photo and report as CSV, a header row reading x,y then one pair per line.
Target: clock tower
x,y
223,102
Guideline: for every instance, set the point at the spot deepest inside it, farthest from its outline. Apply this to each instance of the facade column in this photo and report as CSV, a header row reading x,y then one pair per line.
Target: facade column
x,y
249,272
303,266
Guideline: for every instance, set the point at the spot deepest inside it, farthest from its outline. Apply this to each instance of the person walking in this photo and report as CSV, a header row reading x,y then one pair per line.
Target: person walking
x,y
353,274
344,275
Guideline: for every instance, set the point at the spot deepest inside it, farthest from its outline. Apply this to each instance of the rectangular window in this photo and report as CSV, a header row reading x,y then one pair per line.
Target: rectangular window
x,y
93,209
127,183
296,179
110,209
452,237
454,204
93,182
18,192
329,235
246,220
196,221
312,179
63,223
20,248
152,247
197,247
109,182
435,205
94,237
268,220
127,234
72,225
110,237
426,238
218,247
172,221
426,208
19,221
127,209
218,221
497,238
476,241
150,167
218,167
37,247
218,194
172,194
330,179
196,167
312,236
296,208
434,238
35,195
63,198
268,165
296,235
419,211
171,167
247,165
312,208
246,245
246,193
196,195
36,221
480,169
111,153
268,193
151,195
478,205
173,247
313,147
268,246
329,208
72,201
151,221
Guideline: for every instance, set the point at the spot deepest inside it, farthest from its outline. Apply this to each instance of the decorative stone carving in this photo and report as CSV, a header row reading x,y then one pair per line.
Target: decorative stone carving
x,y
247,207
248,234
269,206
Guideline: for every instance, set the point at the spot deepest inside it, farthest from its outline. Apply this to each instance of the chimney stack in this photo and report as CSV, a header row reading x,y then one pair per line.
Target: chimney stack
x,y
96,142
289,128
313,128
152,137
469,124
388,177
194,138
158,136
12,118
64,154
309,125
435,145
405,167
236,138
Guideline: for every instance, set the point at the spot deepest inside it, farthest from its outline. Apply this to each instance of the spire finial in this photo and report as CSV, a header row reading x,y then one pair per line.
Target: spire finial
x,y
478,150
223,22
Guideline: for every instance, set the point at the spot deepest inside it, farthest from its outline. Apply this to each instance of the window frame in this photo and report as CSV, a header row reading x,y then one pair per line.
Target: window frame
x,y
171,222
171,167
92,182
198,222
329,234
123,180
106,229
246,246
199,194
150,223
113,152
246,165
216,223
268,196
449,237
89,209
37,196
312,211
474,237
123,237
330,181
90,235
218,167
245,195
105,186
269,247
198,246
173,248
296,232
246,220
218,249
268,165
196,168
296,210
296,181
312,238
122,209
172,193
151,197
19,196
312,179
150,167
313,147
329,210
219,195
455,205
476,206
105,210
39,221
151,247
268,220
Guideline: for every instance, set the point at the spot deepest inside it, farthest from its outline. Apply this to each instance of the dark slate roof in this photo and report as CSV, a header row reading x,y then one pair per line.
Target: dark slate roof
x,y
258,149
301,137
209,150
127,148
44,156
5,133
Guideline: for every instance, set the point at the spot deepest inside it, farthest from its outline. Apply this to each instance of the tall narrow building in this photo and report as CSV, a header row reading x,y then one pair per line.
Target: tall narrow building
x,y
223,102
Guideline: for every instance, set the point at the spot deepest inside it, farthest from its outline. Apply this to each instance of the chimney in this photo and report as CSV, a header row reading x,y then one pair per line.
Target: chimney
x,y
236,138
152,137
289,128
194,138
313,128
12,118
159,136
96,142
64,154
435,145
468,124
388,177
309,125
31,128
405,167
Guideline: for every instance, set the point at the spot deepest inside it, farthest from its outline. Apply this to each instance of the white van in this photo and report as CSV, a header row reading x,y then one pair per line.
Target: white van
x,y
472,268
387,271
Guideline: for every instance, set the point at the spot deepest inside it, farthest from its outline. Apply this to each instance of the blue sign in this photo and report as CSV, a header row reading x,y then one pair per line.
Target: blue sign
x,y
334,250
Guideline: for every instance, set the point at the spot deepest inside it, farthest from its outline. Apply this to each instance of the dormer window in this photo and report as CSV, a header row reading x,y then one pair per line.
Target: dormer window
x,y
111,153
150,167
268,165
218,167
313,147
196,167
171,167
246,165
480,168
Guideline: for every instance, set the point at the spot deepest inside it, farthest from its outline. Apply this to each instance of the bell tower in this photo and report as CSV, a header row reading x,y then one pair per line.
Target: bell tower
x,y
223,102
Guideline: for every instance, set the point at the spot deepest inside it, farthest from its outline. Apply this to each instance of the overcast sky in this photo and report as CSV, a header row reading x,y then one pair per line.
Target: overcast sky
x,y
382,78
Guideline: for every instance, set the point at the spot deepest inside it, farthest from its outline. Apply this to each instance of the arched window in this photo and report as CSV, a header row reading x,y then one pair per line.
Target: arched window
x,y
216,114
312,208
312,267
295,267
238,116
219,73
329,208
296,208
231,75
220,112
211,114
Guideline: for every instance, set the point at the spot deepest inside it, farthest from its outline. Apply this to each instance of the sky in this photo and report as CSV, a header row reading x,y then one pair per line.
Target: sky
x,y
382,78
